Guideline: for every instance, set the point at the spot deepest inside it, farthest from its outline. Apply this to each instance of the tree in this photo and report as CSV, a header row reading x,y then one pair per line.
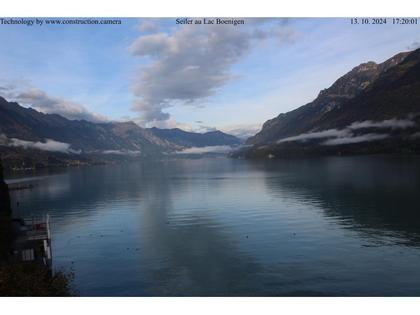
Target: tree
x,y
4,195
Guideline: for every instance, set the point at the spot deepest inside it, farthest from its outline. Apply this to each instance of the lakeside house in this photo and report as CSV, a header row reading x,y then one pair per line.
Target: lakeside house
x,y
29,240
33,241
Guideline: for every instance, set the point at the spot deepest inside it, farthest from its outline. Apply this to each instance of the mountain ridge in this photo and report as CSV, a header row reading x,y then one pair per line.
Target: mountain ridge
x,y
344,88
388,92
191,139
31,137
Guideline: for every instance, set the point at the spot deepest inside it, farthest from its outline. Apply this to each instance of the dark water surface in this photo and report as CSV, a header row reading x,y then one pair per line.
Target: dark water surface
x,y
216,227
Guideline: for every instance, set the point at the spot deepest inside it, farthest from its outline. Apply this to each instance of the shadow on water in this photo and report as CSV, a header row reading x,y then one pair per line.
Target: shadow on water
x,y
373,195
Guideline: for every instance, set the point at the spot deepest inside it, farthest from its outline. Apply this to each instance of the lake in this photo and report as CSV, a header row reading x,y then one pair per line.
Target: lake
x,y
338,226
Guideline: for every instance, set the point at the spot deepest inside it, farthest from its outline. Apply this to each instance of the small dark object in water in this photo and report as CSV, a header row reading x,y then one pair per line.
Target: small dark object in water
x,y
247,236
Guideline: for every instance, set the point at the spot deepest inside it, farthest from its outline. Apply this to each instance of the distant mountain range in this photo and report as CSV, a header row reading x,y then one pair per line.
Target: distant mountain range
x,y
192,139
32,138
374,108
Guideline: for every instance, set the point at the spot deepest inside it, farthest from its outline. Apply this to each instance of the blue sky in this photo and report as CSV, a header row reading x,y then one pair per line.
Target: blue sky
x,y
156,72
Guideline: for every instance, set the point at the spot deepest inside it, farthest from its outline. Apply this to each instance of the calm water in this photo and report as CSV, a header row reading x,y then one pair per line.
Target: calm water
x,y
216,227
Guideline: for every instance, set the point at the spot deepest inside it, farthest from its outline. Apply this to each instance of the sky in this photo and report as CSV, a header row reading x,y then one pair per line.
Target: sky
x,y
197,77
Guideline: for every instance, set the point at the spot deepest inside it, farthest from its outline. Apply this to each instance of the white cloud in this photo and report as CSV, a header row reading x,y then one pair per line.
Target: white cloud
x,y
3,139
346,135
47,145
205,128
149,26
167,124
45,103
390,123
122,152
356,139
209,149
192,62
329,133
242,131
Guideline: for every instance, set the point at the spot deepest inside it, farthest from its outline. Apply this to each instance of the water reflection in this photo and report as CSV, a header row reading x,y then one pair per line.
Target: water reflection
x,y
373,195
216,227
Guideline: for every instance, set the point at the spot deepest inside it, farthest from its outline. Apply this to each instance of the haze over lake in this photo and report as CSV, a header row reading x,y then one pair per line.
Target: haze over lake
x,y
226,227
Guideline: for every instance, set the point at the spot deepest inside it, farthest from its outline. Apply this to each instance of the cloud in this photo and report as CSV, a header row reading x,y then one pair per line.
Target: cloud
x,y
356,139
346,135
122,152
390,123
192,62
329,133
204,128
149,26
242,131
41,101
413,45
167,124
209,149
3,139
48,145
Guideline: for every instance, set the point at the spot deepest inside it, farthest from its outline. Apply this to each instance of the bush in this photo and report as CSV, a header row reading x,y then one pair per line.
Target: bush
x,y
31,279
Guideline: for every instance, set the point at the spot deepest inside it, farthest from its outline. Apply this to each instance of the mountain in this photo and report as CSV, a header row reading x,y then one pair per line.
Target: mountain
x,y
374,108
28,124
31,139
193,139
